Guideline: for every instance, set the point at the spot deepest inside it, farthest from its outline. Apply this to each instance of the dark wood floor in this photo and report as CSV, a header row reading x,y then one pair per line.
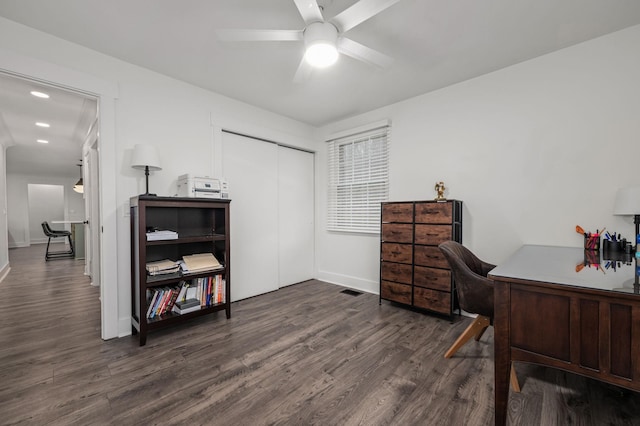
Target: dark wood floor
x,y
306,354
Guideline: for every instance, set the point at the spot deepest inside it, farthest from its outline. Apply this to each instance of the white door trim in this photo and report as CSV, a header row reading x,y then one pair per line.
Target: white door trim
x,y
107,93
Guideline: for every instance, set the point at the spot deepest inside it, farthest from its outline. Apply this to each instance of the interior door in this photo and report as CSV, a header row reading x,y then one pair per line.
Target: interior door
x,y
92,214
251,169
295,216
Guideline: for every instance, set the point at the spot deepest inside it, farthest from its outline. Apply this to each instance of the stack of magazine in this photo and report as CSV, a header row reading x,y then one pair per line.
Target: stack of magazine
x,y
162,267
158,235
201,262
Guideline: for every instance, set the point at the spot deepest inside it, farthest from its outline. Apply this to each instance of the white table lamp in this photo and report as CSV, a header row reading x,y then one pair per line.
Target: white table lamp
x,y
145,157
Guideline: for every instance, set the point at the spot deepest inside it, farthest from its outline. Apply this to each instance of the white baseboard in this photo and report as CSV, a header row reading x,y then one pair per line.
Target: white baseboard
x,y
34,242
362,285
355,283
19,245
124,327
4,271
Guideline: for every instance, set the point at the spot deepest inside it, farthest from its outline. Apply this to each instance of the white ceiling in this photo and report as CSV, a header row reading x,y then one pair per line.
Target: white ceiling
x,y
69,115
435,43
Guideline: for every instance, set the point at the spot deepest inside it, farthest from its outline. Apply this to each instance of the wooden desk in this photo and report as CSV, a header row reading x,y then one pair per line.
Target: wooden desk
x,y
551,309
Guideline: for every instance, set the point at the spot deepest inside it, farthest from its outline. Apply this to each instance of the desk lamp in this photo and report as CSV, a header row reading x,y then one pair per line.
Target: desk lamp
x,y
145,157
628,204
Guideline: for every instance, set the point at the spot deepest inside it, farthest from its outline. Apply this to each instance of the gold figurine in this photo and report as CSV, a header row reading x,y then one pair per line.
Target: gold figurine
x,y
440,190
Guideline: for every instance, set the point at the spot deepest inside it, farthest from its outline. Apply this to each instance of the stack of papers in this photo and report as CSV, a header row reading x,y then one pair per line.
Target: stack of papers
x,y
162,267
199,263
162,235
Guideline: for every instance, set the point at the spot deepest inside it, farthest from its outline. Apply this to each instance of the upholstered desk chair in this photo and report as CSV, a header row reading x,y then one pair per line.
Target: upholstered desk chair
x,y
51,233
475,294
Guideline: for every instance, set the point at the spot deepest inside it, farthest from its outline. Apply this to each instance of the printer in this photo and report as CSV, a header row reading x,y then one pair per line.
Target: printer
x,y
202,187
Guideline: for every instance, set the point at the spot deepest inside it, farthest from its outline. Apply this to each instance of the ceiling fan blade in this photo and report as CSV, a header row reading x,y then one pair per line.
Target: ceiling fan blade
x,y
309,10
259,35
363,53
360,12
304,72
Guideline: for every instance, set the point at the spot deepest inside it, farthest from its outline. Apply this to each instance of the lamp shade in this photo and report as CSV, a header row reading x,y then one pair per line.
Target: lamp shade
x,y
145,156
79,187
627,202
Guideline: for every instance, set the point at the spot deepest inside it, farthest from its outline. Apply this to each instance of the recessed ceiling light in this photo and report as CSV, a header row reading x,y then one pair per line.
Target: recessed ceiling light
x,y
39,94
40,124
42,141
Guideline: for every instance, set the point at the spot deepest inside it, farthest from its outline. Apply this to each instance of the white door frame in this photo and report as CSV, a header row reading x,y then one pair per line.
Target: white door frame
x,y
106,92
92,209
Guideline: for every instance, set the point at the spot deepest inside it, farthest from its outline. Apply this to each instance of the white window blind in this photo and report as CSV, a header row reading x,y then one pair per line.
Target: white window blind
x,y
358,180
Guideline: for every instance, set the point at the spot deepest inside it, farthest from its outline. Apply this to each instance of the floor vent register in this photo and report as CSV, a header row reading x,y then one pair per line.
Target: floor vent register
x,y
351,292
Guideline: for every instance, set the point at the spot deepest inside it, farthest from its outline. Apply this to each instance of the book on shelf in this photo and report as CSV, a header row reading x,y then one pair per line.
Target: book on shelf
x,y
167,301
186,306
200,262
162,267
209,290
182,295
151,301
191,292
161,234
155,302
201,292
161,301
166,294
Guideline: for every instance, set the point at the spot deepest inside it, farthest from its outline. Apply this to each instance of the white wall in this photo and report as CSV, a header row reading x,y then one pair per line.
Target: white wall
x,y
4,241
522,147
46,203
18,205
532,150
183,121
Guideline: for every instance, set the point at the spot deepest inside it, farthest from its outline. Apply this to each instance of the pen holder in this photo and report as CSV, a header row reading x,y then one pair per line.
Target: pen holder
x,y
592,242
612,246
591,258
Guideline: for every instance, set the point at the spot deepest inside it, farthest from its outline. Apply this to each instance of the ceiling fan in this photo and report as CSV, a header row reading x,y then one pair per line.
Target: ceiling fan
x,y
324,39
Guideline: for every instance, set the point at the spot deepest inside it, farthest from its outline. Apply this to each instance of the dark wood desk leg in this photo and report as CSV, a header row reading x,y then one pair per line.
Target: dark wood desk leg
x,y
502,351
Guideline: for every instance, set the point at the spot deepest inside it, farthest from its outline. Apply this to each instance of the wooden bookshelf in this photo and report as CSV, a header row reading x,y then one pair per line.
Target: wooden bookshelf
x,y
202,226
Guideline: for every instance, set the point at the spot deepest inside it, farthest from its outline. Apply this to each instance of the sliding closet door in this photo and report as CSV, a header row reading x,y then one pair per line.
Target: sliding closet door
x,y
250,167
295,215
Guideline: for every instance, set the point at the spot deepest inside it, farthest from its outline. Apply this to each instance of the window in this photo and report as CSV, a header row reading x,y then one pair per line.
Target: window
x,y
358,180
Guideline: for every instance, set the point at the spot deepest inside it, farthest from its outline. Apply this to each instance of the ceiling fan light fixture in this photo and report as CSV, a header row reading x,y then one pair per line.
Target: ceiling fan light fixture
x,y
320,39
321,55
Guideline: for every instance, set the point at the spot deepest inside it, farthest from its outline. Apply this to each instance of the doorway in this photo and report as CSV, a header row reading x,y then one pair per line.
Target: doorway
x,y
50,153
105,92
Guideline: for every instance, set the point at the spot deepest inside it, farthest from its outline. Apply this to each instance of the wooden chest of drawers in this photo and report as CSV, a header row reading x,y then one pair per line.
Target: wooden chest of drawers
x,y
413,271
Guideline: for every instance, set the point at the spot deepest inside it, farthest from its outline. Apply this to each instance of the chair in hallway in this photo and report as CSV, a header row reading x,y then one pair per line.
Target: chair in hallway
x,y
475,293
51,233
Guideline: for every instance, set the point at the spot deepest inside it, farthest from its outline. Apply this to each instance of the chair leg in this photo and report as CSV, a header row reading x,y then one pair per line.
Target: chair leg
x,y
476,328
60,254
46,254
514,380
73,251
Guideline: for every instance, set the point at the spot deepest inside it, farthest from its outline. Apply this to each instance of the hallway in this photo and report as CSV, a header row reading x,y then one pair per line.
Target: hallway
x,y
49,314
